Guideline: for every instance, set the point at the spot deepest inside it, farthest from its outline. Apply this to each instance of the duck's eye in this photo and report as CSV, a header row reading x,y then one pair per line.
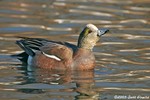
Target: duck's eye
x,y
90,31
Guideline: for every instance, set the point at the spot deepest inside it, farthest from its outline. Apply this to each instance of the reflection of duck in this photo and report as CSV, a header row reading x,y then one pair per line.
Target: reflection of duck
x,y
79,83
62,55
61,77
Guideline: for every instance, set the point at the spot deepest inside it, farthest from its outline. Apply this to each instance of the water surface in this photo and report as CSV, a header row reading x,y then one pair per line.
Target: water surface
x,y
122,55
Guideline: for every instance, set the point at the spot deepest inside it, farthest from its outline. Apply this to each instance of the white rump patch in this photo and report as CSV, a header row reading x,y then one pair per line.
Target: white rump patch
x,y
30,67
29,60
52,56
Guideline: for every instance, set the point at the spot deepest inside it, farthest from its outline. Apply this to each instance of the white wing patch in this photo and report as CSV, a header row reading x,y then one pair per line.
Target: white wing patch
x,y
52,56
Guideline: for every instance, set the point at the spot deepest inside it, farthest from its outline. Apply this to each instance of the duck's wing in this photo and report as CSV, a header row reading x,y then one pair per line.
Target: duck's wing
x,y
57,51
47,47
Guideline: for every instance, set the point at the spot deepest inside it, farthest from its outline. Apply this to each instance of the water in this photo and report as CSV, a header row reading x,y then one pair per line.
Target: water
x,y
122,56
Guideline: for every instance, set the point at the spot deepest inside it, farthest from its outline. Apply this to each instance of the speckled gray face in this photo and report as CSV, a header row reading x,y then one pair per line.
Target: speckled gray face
x,y
90,36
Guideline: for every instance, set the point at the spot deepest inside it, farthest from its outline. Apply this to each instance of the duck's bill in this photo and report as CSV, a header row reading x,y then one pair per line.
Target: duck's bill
x,y
102,32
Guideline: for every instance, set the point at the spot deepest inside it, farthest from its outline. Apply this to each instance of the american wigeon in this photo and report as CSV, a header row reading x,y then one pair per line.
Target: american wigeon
x,y
62,55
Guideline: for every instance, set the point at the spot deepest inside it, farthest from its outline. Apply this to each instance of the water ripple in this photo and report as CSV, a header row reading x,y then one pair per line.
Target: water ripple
x,y
90,13
122,57
81,21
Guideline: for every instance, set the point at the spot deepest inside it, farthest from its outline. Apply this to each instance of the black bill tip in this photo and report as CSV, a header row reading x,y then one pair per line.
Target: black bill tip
x,y
102,31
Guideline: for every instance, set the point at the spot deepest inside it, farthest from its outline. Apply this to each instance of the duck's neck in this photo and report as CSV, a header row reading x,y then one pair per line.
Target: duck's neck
x,y
82,52
86,46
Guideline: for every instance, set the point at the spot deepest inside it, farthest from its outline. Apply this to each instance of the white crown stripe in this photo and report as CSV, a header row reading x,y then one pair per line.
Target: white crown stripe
x,y
91,26
52,56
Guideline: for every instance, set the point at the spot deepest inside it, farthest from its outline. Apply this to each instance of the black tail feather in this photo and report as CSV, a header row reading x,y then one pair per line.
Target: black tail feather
x,y
25,47
22,56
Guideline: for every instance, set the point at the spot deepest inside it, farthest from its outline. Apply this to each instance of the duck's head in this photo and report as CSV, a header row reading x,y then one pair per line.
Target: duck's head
x,y
90,36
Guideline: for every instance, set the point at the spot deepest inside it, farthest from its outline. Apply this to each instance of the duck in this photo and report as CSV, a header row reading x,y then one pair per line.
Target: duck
x,y
56,55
